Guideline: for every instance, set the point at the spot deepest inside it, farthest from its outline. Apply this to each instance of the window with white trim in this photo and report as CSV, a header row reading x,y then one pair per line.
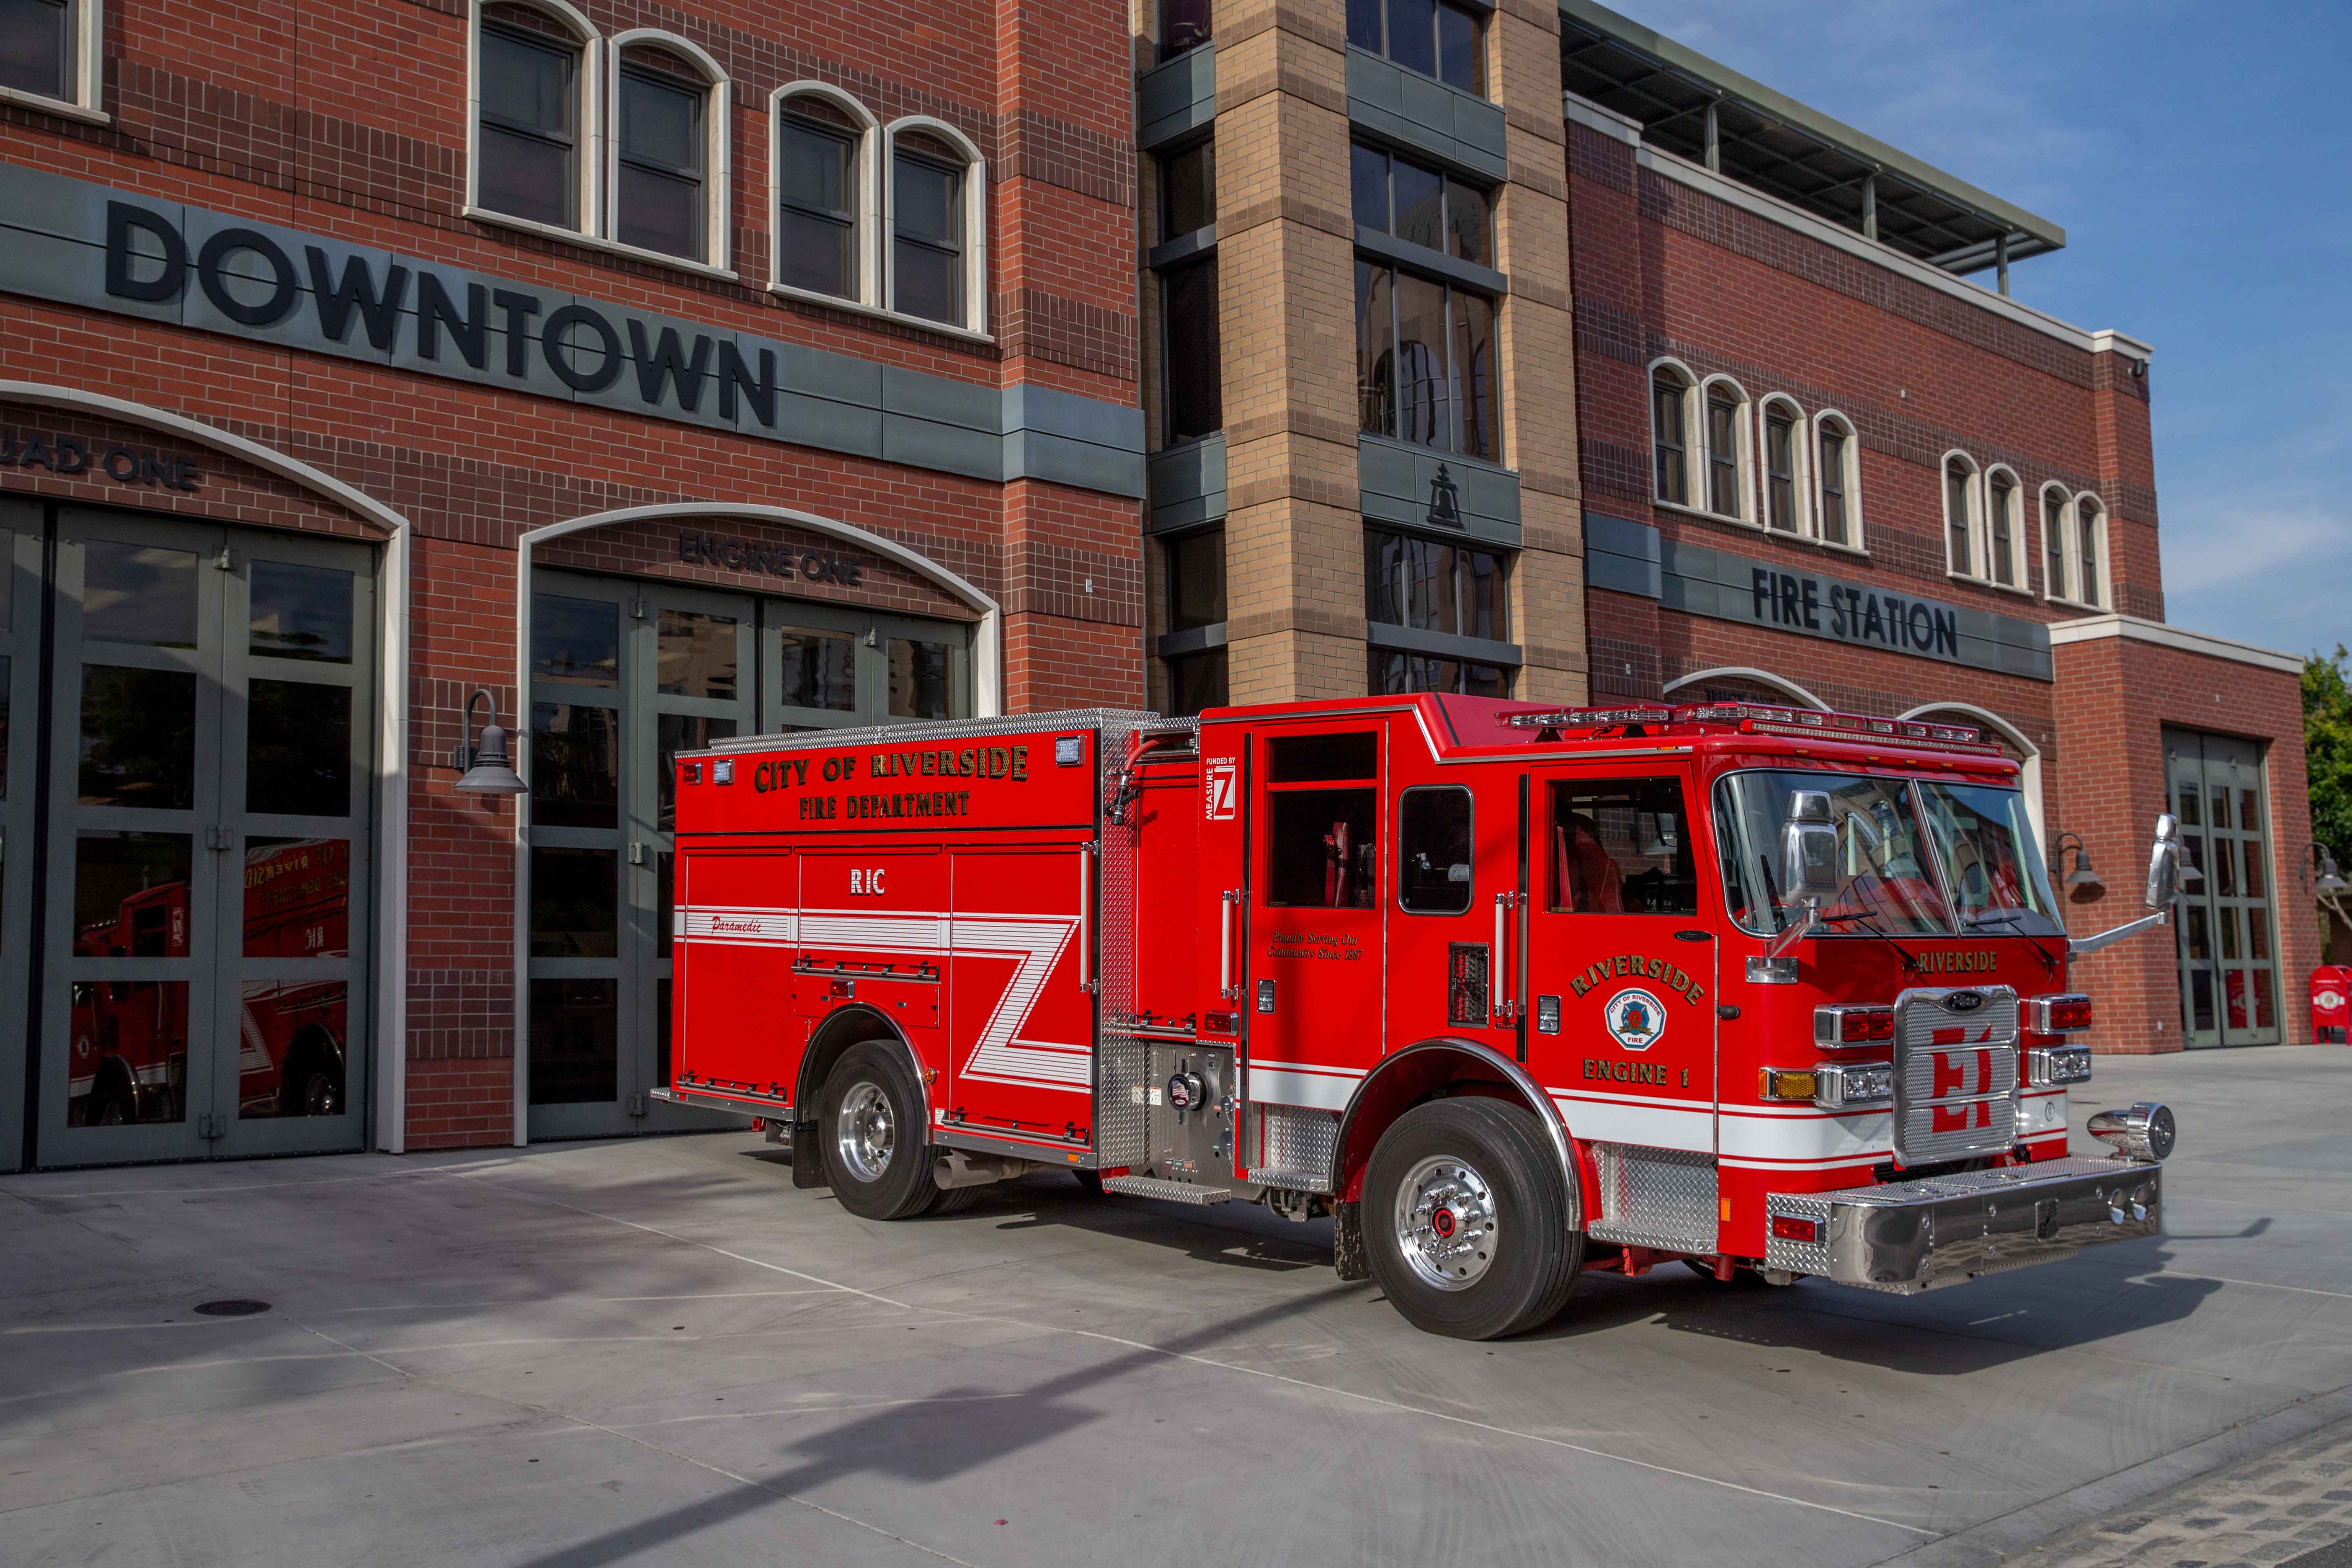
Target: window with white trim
x,y
1670,398
821,162
938,191
1726,449
1960,555
668,141
662,176
2091,552
1784,452
2055,550
49,52
2001,528
530,69
1837,473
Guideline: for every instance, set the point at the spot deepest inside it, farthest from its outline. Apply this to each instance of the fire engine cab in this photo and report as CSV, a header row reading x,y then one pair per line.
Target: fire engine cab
x,y
1509,992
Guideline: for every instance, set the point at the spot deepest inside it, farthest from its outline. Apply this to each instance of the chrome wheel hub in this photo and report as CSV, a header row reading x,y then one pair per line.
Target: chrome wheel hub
x,y
866,1132
1447,1225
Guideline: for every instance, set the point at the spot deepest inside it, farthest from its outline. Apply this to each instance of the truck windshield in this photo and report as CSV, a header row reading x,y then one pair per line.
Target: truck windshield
x,y
1914,858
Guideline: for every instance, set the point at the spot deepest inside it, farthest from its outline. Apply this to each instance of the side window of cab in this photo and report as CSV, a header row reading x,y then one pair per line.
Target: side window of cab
x,y
1621,847
1322,799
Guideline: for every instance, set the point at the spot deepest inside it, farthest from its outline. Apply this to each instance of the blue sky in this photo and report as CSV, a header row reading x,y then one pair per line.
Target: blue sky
x,y
2198,157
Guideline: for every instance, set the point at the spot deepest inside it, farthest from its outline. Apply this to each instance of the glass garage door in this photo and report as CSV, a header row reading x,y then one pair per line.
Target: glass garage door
x,y
626,674
203,911
2227,932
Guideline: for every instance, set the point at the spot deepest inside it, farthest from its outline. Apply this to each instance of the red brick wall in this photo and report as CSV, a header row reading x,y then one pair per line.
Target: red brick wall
x,y
346,117
2119,695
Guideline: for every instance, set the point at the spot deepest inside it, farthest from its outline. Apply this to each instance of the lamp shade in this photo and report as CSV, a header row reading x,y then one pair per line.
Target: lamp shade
x,y
492,773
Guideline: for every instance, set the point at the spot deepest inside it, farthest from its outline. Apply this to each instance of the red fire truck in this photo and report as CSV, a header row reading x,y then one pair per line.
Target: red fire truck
x,y
129,1058
1509,992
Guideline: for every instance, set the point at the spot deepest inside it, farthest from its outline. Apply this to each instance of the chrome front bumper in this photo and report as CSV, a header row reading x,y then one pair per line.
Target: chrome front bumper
x,y
1908,1236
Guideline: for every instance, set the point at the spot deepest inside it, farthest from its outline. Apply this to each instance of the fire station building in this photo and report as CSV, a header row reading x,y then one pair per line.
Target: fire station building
x,y
661,375
624,377
1664,385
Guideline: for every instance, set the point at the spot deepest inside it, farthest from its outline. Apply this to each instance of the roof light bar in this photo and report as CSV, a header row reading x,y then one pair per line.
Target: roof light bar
x,y
1592,718
1759,718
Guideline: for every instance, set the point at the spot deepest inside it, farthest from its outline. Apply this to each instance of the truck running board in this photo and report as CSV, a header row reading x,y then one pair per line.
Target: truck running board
x,y
1166,1192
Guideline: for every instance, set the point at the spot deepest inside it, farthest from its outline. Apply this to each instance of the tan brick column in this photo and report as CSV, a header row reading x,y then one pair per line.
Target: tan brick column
x,y
1285,277
1539,352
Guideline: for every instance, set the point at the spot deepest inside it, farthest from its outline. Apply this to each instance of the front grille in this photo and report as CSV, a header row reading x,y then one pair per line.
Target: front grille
x,y
1955,1072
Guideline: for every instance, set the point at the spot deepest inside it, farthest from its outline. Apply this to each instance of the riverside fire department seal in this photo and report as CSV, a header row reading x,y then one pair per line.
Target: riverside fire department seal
x,y
1635,1019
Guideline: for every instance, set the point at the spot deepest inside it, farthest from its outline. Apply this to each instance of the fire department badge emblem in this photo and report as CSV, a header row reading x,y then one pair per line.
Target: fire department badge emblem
x,y
1635,1019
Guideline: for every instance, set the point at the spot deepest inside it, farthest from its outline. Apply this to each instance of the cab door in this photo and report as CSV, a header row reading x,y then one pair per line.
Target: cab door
x,y
1620,975
1313,942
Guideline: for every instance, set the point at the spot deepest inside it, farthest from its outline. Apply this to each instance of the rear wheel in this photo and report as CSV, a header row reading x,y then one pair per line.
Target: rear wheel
x,y
870,1128
955,1200
1468,1224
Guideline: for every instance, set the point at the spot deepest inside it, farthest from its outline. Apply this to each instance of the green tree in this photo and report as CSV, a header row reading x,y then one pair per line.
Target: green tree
x,y
2327,750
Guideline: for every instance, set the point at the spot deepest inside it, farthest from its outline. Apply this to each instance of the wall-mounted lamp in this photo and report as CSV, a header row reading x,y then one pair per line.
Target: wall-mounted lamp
x,y
486,768
2331,876
2082,877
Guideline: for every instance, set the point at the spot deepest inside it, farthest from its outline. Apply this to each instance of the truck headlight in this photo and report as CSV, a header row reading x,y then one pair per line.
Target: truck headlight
x,y
2048,1067
1840,1086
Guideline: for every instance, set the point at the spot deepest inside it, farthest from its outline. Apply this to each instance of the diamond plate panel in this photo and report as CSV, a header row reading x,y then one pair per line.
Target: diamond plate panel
x,y
1955,1068
1663,1198
1122,1107
1797,1256
1296,1145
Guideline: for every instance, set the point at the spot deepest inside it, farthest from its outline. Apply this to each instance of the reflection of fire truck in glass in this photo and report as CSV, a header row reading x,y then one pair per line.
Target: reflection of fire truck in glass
x,y
131,1037
1509,993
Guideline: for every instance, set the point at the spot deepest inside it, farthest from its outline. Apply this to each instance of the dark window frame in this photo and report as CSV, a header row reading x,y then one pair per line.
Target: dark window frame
x,y
954,248
2001,526
696,174
1780,469
1369,29
1726,492
846,219
1959,527
1404,848
575,61
1669,390
1834,490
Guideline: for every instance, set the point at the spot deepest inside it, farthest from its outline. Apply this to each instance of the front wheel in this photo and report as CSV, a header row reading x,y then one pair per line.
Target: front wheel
x,y
870,1128
1468,1222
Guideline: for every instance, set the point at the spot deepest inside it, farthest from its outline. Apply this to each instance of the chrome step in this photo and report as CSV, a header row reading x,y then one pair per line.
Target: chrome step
x,y
1166,1192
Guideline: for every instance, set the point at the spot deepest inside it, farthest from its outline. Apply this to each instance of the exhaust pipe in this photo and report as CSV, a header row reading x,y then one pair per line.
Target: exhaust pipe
x,y
956,1168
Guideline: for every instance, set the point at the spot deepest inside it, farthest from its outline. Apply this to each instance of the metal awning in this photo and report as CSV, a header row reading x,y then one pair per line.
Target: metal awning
x,y
1783,148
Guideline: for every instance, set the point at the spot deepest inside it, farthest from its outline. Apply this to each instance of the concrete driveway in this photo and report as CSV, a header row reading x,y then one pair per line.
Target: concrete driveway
x,y
660,1352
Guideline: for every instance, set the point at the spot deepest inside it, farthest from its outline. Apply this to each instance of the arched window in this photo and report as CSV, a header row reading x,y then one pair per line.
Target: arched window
x,y
1960,554
2002,529
2055,546
1670,398
937,225
823,174
669,148
2090,554
1837,470
534,101
1726,407
1784,462
1740,683
52,55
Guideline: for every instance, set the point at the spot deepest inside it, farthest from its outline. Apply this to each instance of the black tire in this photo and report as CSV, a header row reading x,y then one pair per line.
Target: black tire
x,y
1491,1172
955,1200
1090,1180
885,1170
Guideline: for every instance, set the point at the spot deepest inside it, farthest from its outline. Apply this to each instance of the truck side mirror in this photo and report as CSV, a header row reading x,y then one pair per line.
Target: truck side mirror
x,y
1809,846
2164,863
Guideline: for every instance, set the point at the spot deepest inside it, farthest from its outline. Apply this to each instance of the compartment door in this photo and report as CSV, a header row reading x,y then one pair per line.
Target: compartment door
x,y
734,937
1020,993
